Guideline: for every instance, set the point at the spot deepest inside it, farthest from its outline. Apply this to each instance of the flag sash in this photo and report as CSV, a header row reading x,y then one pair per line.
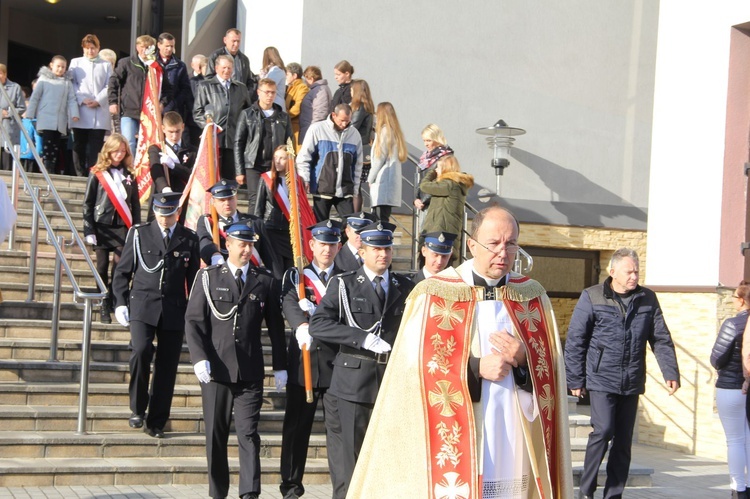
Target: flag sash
x,y
313,281
116,197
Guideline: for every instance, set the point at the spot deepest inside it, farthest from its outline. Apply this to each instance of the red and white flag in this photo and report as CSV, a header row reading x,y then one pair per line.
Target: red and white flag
x,y
148,133
196,191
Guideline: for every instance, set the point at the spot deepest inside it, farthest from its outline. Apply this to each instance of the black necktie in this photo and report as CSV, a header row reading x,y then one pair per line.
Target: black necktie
x,y
238,278
175,147
379,289
323,277
166,238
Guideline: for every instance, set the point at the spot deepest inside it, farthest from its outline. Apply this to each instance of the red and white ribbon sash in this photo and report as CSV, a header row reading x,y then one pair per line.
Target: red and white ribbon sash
x,y
116,195
280,194
313,281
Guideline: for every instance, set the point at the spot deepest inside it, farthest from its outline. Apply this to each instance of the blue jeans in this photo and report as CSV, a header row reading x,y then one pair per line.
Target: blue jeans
x,y
129,128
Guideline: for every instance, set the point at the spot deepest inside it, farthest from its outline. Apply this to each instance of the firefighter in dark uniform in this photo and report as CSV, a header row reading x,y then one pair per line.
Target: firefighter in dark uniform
x,y
158,265
224,198
436,251
299,415
361,312
348,258
223,327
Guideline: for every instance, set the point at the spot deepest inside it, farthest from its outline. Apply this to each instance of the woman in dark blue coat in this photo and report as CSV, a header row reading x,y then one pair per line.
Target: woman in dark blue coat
x,y
726,357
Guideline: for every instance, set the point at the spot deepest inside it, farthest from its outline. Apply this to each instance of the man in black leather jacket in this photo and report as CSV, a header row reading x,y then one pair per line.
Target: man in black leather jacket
x,y
261,128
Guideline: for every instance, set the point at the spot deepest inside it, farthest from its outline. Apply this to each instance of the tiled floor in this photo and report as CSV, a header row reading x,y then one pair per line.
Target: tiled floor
x,y
675,476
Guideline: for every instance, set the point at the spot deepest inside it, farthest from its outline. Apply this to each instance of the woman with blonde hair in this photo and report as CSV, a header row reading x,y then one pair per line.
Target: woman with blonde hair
x,y
363,114
435,148
274,69
110,207
731,394
448,187
388,152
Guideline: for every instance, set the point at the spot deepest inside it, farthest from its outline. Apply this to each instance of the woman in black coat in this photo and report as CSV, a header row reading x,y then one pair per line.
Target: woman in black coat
x,y
726,357
110,207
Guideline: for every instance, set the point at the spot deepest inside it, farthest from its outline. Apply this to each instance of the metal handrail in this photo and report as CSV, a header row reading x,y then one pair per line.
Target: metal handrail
x,y
78,293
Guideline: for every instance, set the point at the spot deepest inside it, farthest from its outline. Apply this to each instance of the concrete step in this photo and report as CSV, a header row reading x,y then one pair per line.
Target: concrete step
x,y
20,275
38,311
57,444
35,371
136,471
115,419
45,259
18,291
639,476
70,350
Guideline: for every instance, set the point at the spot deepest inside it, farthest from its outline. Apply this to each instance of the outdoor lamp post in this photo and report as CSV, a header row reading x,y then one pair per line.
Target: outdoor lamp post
x,y
500,138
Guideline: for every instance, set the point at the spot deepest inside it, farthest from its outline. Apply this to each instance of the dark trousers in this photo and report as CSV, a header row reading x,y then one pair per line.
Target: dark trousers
x,y
158,401
282,246
252,180
87,142
102,265
322,207
50,149
298,423
346,425
218,399
226,162
613,419
382,213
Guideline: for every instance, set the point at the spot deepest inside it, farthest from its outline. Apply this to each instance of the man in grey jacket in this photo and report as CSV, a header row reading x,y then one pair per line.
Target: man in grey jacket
x,y
330,163
605,354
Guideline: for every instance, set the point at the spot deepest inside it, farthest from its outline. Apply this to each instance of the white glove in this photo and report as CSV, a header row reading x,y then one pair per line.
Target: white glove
x,y
122,314
217,259
167,189
303,336
90,239
375,344
203,371
307,306
280,378
167,160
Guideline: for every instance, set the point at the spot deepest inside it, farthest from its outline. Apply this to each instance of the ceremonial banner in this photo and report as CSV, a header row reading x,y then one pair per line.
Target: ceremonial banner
x,y
281,196
196,191
149,131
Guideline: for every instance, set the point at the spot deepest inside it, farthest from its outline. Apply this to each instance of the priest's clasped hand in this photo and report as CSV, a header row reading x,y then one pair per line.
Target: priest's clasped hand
x,y
376,344
510,348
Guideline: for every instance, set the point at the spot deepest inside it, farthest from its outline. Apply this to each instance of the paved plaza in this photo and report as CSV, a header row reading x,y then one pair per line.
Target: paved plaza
x,y
675,476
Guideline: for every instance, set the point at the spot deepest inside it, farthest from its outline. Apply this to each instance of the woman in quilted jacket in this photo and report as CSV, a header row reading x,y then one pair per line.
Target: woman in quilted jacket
x,y
731,391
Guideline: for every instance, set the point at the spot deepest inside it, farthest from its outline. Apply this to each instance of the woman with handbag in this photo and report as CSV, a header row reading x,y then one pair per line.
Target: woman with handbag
x,y
363,116
110,207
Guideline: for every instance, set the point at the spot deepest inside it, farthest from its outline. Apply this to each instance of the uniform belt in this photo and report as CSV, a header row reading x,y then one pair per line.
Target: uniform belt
x,y
380,358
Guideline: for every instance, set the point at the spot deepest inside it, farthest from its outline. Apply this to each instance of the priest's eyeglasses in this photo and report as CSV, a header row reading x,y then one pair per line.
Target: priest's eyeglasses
x,y
497,248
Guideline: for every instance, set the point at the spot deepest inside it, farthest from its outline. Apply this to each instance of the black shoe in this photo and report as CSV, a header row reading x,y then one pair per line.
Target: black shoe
x,y
135,421
154,432
581,495
249,495
105,318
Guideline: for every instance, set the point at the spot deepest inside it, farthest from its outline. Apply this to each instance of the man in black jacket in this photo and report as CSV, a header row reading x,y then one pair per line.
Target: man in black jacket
x,y
224,198
605,355
299,415
241,68
126,86
224,99
365,329
171,167
261,128
348,258
223,328
157,267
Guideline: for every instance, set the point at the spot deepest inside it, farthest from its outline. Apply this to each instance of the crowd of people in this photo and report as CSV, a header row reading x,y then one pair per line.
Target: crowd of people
x,y
487,412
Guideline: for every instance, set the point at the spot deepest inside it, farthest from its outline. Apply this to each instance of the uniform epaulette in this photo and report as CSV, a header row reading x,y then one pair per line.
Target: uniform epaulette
x,y
138,226
214,266
190,230
344,274
260,270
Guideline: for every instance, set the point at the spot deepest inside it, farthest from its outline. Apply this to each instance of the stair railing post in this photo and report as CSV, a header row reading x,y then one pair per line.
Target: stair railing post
x,y
464,228
33,248
14,195
415,223
56,302
83,396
